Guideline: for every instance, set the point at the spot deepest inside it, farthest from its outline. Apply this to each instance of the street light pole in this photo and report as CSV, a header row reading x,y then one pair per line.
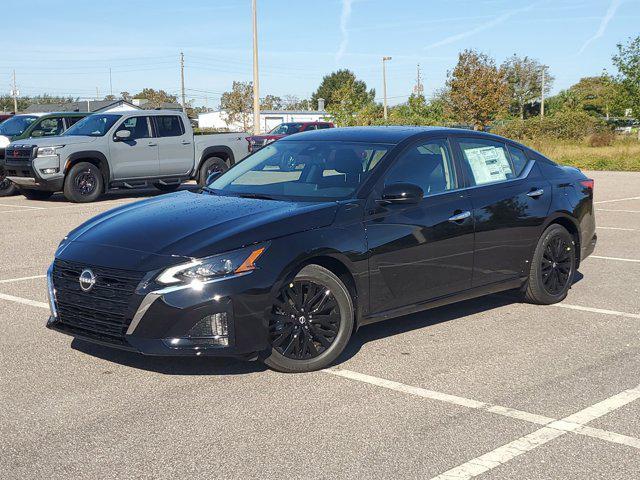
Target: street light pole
x,y
384,83
542,92
256,82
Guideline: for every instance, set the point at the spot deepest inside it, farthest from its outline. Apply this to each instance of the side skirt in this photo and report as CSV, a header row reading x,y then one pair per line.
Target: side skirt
x,y
445,300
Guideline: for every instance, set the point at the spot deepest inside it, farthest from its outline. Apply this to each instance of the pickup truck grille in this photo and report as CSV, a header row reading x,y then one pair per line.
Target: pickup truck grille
x,y
18,154
103,312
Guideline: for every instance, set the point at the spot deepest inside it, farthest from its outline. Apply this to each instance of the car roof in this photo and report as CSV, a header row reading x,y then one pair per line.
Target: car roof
x,y
387,134
53,114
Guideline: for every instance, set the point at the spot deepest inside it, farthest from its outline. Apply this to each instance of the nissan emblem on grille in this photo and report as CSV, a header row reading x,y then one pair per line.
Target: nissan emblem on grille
x,y
87,280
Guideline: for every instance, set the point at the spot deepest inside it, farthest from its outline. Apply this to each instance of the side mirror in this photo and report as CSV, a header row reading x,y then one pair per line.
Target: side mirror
x,y
122,135
401,193
212,176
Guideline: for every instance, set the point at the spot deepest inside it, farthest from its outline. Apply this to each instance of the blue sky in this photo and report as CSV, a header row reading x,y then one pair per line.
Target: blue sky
x,y
68,47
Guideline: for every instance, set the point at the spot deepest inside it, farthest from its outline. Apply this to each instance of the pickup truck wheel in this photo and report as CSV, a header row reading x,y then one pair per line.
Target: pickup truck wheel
x,y
7,188
211,165
163,187
83,183
35,194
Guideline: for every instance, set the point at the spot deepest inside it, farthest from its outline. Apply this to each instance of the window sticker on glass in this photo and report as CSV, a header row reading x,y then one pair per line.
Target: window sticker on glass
x,y
488,164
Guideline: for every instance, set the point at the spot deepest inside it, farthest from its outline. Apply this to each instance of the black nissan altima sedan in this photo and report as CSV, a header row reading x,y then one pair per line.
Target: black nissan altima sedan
x,y
284,264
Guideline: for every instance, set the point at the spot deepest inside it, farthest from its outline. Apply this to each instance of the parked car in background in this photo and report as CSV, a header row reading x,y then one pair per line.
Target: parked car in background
x,y
120,150
256,142
36,125
372,224
5,116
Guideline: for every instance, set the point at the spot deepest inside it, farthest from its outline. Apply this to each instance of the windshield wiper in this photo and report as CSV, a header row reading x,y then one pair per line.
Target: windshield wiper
x,y
208,190
260,196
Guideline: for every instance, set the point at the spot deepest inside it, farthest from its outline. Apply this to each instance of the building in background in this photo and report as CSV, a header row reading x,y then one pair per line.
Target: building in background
x,y
268,119
101,106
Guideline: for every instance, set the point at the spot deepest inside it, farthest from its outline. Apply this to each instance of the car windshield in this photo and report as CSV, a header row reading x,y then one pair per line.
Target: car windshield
x,y
286,129
16,125
302,170
95,125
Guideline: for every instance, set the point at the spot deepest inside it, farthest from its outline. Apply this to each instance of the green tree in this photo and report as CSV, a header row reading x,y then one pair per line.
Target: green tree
x,y
155,98
347,101
478,92
238,104
598,95
271,102
627,61
524,78
337,82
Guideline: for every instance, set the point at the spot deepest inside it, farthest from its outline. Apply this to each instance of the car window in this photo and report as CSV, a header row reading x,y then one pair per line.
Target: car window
x,y
310,127
488,161
428,165
16,125
518,159
95,125
72,121
48,127
169,126
322,126
138,126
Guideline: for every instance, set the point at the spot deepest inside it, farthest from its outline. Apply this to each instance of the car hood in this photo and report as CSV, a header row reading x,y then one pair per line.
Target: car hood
x,y
194,225
52,141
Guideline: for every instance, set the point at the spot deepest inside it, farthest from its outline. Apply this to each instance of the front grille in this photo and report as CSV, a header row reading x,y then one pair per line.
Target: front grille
x,y
104,312
1,153
18,153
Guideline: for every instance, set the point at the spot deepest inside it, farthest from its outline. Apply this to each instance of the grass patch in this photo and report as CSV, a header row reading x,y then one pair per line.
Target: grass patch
x,y
622,155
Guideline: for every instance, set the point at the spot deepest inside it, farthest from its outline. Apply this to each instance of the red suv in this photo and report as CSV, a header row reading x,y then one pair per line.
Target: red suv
x,y
256,142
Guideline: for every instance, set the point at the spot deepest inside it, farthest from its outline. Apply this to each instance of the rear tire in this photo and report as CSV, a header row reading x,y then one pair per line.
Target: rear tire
x,y
35,194
310,323
552,268
167,188
7,187
209,166
83,183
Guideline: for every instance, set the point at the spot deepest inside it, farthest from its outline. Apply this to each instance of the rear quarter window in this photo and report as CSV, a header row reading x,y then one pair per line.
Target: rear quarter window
x,y
169,126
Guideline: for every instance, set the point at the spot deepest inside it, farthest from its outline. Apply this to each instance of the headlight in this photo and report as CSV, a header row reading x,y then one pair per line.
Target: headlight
x,y
48,151
230,263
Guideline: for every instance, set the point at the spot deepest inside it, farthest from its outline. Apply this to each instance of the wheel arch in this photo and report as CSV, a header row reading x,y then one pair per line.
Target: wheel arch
x,y
220,151
571,224
91,156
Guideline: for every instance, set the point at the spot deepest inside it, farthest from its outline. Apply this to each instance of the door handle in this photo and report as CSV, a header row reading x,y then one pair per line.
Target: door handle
x,y
535,193
459,217
151,144
184,142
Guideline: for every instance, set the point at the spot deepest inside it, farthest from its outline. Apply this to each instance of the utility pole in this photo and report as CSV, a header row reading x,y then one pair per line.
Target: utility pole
x,y
184,108
97,94
418,89
15,93
542,92
110,83
384,83
256,81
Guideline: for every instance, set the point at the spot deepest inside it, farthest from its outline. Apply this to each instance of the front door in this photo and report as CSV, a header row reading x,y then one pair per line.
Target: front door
x,y
510,201
136,156
175,146
422,251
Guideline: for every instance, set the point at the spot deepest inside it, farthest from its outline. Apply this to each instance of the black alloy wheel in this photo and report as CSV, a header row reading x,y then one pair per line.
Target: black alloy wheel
x,y
310,322
7,187
84,183
553,267
556,264
305,320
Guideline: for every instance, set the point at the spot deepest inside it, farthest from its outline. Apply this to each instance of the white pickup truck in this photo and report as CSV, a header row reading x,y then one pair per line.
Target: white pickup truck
x,y
120,150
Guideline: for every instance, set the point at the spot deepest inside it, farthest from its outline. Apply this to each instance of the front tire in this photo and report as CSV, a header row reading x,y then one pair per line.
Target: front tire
x,y
83,183
310,322
552,268
35,194
7,187
211,165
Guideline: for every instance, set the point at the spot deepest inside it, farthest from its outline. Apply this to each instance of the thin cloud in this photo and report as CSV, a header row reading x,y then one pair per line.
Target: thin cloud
x,y
345,16
481,28
604,23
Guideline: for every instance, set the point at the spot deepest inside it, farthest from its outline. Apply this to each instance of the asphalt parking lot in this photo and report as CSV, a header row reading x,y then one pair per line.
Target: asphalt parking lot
x,y
488,387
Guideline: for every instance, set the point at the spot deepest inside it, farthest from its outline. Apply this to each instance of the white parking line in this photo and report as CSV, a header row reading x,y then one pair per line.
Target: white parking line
x,y
20,206
617,259
597,310
619,228
616,210
617,200
24,301
11,280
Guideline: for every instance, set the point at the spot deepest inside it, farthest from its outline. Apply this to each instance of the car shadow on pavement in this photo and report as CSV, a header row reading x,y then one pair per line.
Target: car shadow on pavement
x,y
170,365
124,194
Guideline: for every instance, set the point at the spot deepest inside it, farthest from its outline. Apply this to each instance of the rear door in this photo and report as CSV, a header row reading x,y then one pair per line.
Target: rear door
x,y
510,201
423,251
175,145
137,156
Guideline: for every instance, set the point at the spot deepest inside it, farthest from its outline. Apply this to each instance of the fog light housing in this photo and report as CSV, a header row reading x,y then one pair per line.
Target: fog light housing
x,y
210,332
49,171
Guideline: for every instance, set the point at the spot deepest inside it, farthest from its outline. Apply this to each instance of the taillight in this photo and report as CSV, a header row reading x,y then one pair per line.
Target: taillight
x,y
587,183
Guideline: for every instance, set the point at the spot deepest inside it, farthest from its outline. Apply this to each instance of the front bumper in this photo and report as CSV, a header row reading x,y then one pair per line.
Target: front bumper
x,y
28,173
160,320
